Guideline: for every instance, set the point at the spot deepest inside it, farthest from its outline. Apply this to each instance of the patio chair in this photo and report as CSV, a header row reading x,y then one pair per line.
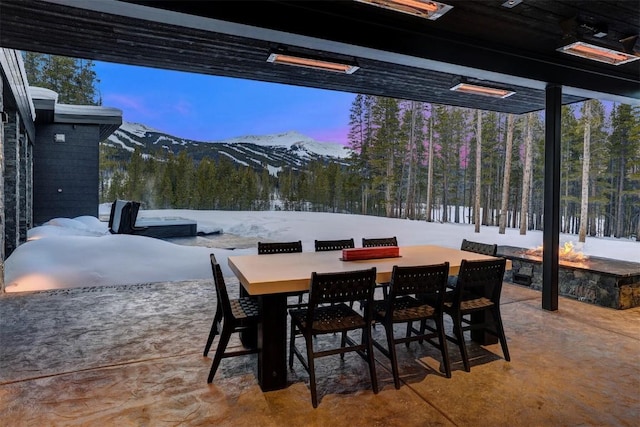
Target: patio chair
x,y
282,248
384,241
416,294
476,247
334,245
279,247
123,216
236,315
328,312
474,303
479,248
380,241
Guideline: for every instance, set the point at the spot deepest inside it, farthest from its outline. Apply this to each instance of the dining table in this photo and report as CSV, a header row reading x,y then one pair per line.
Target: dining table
x,y
273,278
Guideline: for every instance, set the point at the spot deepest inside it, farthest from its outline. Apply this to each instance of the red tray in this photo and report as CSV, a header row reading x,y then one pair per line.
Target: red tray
x,y
370,253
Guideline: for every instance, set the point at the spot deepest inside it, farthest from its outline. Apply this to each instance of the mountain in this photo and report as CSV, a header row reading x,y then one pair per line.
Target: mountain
x,y
274,152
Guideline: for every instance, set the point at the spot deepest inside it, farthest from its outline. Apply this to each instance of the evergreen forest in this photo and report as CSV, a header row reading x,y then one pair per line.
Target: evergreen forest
x,y
410,160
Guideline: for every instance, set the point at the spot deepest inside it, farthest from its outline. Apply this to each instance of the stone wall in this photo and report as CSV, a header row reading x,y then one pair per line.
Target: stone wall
x,y
11,181
2,234
607,289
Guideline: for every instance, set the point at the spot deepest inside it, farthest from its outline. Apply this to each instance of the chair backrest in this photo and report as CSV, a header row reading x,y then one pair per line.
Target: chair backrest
x,y
334,245
124,214
423,280
341,287
279,247
480,278
479,248
115,217
384,241
221,288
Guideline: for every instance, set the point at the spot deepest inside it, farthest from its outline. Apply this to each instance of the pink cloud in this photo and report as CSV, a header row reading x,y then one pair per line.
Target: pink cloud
x,y
183,107
132,105
339,135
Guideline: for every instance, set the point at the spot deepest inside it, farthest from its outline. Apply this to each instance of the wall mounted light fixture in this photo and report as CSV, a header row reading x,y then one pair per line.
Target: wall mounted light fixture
x,y
317,63
597,53
481,89
423,8
511,3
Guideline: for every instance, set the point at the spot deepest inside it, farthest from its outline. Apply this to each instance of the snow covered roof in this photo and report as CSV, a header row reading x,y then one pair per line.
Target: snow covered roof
x,y
49,111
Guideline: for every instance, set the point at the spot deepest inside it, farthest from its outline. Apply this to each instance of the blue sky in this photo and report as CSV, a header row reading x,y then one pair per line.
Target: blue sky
x,y
207,108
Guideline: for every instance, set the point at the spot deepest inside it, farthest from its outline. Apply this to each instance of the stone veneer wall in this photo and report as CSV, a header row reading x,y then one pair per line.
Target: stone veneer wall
x,y
607,290
2,238
24,212
11,181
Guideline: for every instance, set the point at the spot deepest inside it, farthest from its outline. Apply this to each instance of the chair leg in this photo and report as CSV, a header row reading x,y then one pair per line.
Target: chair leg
x,y
443,346
392,354
459,333
371,359
409,327
214,330
292,343
500,330
343,343
423,328
312,370
222,346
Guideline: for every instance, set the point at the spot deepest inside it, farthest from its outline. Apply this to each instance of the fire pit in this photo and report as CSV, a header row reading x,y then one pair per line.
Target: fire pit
x,y
601,281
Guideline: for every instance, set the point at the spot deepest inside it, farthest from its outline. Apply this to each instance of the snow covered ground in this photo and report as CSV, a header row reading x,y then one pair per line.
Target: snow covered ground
x,y
80,252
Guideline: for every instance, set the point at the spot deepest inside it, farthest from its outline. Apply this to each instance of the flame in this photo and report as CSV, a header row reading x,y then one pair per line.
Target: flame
x,y
566,253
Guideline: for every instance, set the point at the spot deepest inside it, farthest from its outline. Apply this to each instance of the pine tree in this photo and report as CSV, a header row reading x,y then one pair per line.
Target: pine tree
x,y
360,139
624,148
507,174
412,128
527,172
478,181
429,202
74,80
384,152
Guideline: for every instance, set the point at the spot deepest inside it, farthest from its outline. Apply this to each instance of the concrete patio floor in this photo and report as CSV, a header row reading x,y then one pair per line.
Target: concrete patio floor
x,y
132,356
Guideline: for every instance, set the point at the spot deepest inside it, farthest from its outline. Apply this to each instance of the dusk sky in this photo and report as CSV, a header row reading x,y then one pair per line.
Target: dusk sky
x,y
211,108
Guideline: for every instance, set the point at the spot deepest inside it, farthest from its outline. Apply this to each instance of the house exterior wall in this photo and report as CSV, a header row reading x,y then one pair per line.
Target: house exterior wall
x,y
11,181
26,189
65,174
2,235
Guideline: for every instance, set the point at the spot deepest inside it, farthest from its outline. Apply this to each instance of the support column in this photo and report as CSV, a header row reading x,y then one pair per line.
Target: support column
x,y
22,182
11,182
551,229
29,183
2,236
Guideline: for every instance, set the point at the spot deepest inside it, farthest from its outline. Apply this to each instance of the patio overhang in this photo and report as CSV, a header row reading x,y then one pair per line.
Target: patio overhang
x,y
398,55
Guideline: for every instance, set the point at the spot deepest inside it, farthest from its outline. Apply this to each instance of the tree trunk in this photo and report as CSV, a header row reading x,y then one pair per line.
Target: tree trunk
x,y
430,171
478,171
526,177
388,192
507,174
365,192
586,160
620,196
412,155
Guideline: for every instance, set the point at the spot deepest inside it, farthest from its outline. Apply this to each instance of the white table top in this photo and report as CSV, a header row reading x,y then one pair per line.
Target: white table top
x,y
286,273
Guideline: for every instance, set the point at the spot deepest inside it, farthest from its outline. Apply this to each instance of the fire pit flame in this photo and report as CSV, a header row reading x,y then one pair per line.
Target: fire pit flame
x,y
566,253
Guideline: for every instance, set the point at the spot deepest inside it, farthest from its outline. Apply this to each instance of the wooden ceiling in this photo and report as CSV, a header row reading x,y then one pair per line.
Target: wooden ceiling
x,y
399,55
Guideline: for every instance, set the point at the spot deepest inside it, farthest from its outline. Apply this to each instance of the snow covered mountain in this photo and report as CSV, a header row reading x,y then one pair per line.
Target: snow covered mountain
x,y
274,152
